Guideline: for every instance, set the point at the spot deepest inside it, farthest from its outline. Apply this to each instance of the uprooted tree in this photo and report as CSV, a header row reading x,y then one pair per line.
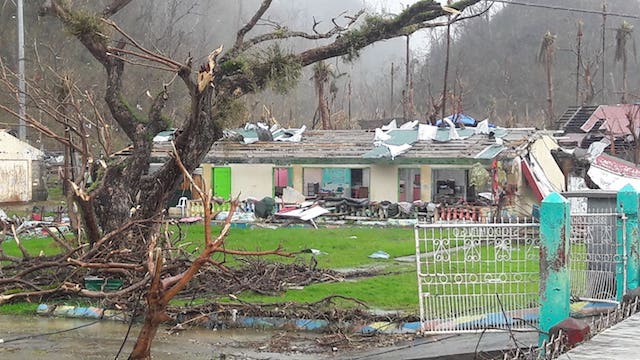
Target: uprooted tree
x,y
120,214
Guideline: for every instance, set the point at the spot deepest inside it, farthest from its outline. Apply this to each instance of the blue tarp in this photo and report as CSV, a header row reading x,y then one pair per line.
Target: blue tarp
x,y
458,118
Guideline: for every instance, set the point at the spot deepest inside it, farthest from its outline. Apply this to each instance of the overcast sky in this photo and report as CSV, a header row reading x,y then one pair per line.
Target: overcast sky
x,y
393,6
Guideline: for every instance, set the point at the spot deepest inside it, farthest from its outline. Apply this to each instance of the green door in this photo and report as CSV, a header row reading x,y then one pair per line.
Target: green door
x,y
221,179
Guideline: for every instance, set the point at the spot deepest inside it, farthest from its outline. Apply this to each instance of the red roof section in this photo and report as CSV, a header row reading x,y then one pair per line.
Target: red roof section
x,y
617,166
616,118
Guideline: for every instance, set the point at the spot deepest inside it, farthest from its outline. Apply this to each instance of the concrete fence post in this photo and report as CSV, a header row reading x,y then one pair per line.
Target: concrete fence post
x,y
555,288
628,241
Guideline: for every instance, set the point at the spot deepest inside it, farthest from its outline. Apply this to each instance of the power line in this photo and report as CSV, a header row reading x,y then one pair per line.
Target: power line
x,y
554,7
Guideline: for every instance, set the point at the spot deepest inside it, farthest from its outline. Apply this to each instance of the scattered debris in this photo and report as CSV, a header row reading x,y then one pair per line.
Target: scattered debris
x,y
304,214
313,252
379,255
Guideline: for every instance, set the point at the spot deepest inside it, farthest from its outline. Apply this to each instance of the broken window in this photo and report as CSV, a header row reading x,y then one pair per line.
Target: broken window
x,y
409,184
336,182
450,185
282,177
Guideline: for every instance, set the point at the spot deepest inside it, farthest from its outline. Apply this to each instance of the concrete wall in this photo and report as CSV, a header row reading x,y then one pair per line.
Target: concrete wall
x,y
384,183
256,180
251,180
426,183
15,183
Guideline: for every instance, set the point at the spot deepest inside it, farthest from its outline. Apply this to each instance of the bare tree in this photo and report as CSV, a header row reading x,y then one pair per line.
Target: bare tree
x,y
121,213
545,57
623,34
321,73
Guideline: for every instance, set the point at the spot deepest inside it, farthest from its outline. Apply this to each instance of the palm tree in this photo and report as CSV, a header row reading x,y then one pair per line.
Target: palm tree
x,y
623,34
321,73
545,57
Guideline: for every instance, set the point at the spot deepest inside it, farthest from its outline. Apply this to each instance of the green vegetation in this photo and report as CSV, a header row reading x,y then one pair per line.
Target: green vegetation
x,y
283,71
81,23
54,193
21,308
390,292
395,286
357,38
346,247
34,245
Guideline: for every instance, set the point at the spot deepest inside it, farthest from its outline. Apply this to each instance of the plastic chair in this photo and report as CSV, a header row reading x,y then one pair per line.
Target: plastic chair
x,y
182,205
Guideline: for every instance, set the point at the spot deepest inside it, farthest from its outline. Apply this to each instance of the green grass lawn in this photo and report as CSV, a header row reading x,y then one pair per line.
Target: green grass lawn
x,y
395,288
346,247
34,246
389,292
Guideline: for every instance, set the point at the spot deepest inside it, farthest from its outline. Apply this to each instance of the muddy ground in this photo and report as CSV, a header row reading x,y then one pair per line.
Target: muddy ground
x,y
34,337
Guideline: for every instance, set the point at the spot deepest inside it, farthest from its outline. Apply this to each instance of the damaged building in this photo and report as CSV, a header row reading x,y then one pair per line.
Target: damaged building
x,y
413,163
599,146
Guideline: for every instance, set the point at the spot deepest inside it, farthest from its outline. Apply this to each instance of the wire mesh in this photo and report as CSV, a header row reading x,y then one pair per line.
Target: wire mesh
x,y
593,256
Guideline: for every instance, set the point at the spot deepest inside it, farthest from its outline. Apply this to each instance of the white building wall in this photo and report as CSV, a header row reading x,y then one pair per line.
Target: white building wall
x,y
251,180
15,185
384,183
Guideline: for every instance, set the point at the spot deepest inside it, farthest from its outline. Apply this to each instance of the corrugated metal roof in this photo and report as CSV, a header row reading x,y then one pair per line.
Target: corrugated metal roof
x,y
400,137
14,148
356,146
612,119
490,152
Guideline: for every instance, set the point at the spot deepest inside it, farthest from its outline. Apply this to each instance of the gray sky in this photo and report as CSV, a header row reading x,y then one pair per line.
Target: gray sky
x,y
393,5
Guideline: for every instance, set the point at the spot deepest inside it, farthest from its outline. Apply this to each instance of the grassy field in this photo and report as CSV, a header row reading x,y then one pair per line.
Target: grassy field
x,y
345,248
394,288
34,245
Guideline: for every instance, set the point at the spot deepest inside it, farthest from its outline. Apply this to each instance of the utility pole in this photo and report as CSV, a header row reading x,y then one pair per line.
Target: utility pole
x,y
349,103
578,61
406,112
604,24
392,104
22,129
446,65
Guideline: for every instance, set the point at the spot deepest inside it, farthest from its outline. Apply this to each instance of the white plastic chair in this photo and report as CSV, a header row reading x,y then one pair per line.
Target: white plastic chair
x,y
182,205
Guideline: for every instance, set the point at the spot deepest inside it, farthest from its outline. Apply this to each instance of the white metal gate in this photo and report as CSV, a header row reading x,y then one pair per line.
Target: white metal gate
x,y
593,255
474,277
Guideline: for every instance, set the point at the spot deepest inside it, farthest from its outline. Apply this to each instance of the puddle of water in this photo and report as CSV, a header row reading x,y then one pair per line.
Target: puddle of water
x,y
103,339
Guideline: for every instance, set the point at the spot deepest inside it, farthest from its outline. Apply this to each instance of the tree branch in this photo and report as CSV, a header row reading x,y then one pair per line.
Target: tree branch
x,y
108,265
114,7
408,21
284,33
248,26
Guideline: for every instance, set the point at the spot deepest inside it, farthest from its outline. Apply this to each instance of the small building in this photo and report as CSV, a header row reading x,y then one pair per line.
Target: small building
x,y
600,146
20,169
411,163
584,125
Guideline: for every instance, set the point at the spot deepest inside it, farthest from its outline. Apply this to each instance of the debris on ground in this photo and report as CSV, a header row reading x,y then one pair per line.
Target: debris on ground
x,y
379,255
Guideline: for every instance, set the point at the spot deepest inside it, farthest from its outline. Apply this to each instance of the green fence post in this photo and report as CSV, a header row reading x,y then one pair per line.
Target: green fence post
x,y
555,289
628,241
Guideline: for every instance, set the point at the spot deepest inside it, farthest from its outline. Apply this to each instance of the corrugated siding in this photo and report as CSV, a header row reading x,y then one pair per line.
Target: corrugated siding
x,y
15,184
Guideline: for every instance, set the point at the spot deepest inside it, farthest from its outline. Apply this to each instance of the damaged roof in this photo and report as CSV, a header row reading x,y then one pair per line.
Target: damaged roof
x,y
358,147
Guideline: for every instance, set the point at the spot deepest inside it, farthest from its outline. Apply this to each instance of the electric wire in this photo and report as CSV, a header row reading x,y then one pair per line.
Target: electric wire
x,y
49,333
556,7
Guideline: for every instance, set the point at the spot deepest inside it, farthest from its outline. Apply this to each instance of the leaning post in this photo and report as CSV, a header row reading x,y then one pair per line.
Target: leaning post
x,y
554,253
628,241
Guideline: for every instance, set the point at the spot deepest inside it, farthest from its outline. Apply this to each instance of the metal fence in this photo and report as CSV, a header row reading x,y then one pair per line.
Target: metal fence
x,y
592,256
477,276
